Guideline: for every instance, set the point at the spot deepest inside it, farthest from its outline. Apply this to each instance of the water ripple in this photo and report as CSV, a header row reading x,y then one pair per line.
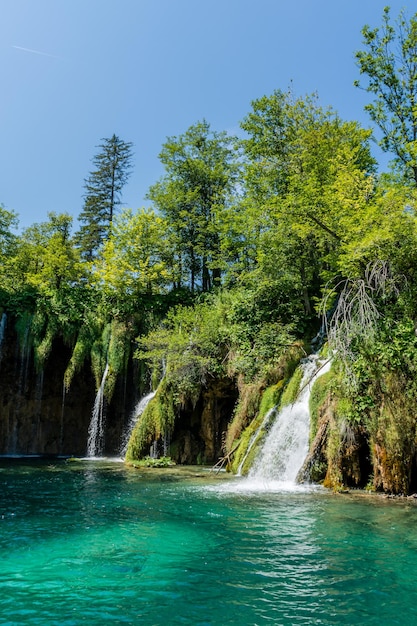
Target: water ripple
x,y
94,545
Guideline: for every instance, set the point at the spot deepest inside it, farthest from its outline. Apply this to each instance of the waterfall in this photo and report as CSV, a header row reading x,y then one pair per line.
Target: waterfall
x,y
95,444
153,450
160,447
255,436
286,444
139,409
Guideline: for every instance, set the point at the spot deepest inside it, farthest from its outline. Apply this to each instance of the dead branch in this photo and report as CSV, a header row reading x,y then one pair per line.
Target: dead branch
x,y
224,460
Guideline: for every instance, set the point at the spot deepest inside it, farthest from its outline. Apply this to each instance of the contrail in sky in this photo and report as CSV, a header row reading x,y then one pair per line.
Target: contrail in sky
x,y
44,54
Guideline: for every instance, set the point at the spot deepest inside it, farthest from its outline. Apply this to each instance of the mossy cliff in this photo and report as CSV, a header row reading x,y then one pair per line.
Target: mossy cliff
x,y
370,446
364,422
190,432
219,367
376,452
46,410
361,436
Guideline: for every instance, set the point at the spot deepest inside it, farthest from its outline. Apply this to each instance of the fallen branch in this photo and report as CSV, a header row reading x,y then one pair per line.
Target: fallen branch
x,y
312,376
224,460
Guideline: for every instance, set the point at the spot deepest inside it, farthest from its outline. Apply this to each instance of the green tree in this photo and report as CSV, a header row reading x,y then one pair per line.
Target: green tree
x,y
134,259
389,63
308,175
103,189
45,258
8,243
8,221
48,292
194,195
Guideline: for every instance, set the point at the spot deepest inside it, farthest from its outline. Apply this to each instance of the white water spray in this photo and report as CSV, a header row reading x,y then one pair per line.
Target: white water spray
x,y
286,444
139,409
255,436
95,443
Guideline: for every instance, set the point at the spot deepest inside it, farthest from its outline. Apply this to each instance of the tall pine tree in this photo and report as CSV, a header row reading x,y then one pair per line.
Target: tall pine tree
x,y
103,187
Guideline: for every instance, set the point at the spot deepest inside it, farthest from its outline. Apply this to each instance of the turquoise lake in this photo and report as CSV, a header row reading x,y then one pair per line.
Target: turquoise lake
x,y
99,543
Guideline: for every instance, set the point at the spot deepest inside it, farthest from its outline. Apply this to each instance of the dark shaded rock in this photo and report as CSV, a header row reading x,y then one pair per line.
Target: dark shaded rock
x,y
37,417
199,430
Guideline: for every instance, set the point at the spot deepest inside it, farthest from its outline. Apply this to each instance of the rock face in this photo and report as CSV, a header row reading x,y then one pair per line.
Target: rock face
x,y
38,417
35,416
339,455
199,429
382,458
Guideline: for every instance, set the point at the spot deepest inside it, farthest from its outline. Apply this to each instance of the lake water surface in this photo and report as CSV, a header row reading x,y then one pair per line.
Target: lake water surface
x,y
99,543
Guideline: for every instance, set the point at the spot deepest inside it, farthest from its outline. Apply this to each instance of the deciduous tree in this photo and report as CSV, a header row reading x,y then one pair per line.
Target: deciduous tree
x,y
45,257
134,260
308,174
389,65
200,174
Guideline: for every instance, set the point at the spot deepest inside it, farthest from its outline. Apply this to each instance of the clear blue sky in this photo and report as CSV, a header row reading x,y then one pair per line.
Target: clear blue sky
x,y
76,71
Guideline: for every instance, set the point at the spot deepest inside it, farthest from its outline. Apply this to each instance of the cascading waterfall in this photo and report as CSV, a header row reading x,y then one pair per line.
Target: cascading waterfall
x,y
255,436
139,409
286,444
95,443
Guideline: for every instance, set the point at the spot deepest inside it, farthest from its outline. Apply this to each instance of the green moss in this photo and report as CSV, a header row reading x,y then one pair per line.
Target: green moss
x,y
43,347
147,461
36,331
334,479
270,398
246,410
250,457
317,471
117,355
80,354
98,361
318,395
156,421
241,450
23,326
292,389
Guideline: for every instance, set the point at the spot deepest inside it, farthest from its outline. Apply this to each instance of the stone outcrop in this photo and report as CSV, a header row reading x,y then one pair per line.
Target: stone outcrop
x,y
38,417
199,430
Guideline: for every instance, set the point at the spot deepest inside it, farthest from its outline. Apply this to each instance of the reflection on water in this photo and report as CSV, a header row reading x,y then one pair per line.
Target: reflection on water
x,y
100,543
